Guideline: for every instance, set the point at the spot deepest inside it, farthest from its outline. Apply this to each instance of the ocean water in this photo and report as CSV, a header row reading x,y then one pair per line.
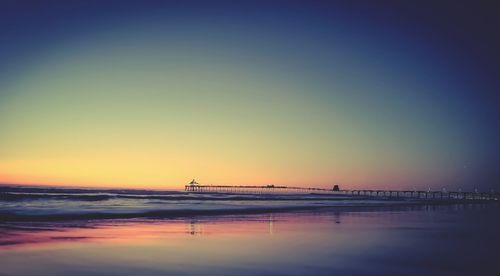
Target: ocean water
x,y
95,232
50,204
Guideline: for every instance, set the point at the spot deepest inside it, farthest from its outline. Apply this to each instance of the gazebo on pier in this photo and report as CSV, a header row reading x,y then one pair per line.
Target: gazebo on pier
x,y
192,186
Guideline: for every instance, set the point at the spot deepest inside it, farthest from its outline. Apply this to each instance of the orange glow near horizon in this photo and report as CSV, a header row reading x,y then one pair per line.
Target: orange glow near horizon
x,y
154,174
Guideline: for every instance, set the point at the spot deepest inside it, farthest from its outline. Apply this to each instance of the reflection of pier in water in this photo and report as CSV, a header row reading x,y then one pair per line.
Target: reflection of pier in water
x,y
195,227
193,186
271,224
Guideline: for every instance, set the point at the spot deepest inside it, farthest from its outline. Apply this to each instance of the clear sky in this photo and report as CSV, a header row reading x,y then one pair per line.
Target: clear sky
x,y
308,93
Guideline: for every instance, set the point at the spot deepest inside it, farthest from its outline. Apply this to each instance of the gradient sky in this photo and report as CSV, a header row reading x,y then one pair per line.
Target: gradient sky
x,y
307,93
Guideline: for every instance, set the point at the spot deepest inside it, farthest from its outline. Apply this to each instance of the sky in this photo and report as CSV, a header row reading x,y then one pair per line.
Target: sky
x,y
151,94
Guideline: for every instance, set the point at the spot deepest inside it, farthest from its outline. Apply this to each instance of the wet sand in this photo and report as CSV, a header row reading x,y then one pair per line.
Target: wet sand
x,y
417,240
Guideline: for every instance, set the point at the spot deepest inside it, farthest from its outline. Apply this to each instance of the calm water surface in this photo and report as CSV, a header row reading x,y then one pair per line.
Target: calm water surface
x,y
423,240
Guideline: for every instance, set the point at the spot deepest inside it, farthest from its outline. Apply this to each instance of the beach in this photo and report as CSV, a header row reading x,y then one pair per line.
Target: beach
x,y
339,237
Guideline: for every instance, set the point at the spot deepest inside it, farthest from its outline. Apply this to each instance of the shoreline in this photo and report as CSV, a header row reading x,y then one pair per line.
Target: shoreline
x,y
191,213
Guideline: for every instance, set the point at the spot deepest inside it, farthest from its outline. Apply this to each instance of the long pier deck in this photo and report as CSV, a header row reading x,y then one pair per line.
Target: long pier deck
x,y
392,194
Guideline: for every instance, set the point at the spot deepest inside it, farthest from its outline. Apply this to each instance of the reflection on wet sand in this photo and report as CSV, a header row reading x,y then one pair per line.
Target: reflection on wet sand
x,y
391,241
195,227
131,231
38,234
14,235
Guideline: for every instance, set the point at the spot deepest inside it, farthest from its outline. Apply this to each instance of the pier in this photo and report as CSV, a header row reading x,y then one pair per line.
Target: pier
x,y
193,186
